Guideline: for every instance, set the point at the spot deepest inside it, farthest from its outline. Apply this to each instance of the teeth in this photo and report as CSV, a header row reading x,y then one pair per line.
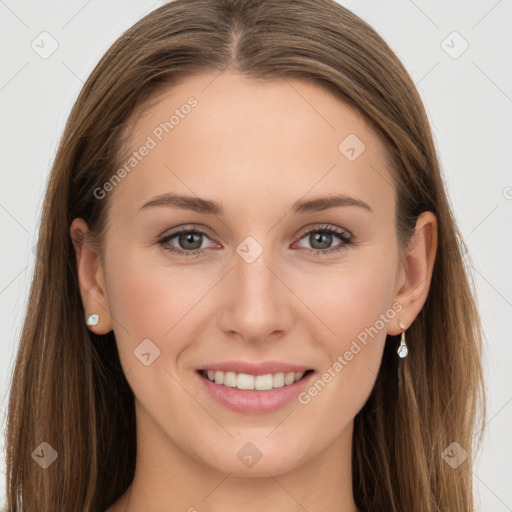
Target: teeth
x,y
264,382
244,381
257,382
289,378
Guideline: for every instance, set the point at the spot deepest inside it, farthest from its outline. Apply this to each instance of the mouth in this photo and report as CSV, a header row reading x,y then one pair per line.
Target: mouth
x,y
251,387
250,382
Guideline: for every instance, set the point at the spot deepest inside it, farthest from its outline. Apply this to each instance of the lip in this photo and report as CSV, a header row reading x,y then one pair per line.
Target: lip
x,y
261,368
253,401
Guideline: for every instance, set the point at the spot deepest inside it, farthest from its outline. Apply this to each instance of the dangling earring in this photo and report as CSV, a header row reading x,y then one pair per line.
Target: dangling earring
x,y
93,319
402,349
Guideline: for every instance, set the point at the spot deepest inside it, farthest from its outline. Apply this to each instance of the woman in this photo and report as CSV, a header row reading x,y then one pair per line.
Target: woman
x,y
316,345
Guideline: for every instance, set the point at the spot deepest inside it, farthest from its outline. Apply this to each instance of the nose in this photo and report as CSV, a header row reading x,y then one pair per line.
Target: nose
x,y
255,303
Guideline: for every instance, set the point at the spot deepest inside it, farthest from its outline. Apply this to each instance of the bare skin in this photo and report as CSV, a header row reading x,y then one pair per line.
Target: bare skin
x,y
256,148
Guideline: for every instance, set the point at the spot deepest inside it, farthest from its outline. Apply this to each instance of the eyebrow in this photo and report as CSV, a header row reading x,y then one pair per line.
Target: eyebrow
x,y
210,207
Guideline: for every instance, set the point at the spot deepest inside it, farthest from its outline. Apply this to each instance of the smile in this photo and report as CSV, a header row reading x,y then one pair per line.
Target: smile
x,y
246,381
254,394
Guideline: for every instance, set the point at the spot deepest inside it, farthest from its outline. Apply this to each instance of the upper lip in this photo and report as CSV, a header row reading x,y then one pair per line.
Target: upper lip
x,y
262,368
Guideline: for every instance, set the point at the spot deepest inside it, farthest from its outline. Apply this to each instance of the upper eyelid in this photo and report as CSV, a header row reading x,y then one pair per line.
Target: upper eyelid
x,y
324,227
169,236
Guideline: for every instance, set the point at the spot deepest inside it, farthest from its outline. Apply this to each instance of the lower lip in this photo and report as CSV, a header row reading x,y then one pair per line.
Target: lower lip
x,y
252,401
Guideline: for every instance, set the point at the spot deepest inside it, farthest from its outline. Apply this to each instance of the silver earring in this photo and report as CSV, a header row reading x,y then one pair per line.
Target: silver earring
x,y
402,349
93,319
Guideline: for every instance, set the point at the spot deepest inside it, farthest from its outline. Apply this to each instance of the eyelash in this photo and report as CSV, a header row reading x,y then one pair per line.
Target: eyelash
x,y
347,240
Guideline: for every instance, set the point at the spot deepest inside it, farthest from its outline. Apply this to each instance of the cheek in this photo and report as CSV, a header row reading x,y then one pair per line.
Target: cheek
x,y
153,296
155,302
351,299
355,310
160,304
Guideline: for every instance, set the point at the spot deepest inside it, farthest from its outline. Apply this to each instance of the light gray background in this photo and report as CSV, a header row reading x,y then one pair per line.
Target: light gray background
x,y
468,99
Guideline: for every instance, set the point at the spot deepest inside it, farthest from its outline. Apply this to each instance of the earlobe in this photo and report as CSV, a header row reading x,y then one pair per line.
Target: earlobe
x,y
417,270
90,277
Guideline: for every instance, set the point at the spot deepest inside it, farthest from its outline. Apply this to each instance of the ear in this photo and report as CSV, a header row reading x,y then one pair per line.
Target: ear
x,y
90,278
416,272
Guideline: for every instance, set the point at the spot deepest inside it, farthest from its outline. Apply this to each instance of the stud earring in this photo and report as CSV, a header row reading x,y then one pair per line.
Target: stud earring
x,y
93,319
402,349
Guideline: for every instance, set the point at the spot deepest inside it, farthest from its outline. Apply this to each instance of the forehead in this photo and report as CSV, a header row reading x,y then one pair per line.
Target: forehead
x,y
216,134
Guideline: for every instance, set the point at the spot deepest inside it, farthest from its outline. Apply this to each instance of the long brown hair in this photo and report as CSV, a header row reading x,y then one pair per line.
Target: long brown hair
x,y
68,387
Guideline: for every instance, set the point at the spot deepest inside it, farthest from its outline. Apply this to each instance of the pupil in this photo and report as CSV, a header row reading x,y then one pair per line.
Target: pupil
x,y
187,238
318,237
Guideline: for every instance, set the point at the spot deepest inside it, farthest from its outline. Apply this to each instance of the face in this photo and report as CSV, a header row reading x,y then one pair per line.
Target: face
x,y
254,272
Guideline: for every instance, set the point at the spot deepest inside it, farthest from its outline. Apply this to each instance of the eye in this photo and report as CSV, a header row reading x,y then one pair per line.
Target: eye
x,y
322,237
190,240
